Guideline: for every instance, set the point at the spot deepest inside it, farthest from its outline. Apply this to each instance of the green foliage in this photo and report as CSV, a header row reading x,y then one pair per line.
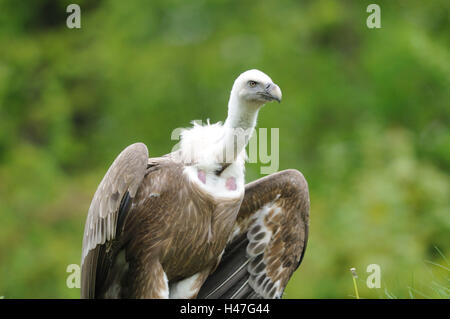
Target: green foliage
x,y
365,116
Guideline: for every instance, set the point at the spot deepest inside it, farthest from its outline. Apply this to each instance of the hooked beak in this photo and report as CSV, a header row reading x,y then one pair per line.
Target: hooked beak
x,y
272,92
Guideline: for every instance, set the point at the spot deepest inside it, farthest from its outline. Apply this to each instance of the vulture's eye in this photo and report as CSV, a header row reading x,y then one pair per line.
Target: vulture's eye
x,y
252,84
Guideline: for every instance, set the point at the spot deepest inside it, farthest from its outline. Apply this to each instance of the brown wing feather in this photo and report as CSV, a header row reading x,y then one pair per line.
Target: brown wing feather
x,y
122,178
269,240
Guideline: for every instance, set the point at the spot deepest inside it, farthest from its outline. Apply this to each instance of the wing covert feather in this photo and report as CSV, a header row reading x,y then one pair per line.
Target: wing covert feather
x,y
124,175
268,242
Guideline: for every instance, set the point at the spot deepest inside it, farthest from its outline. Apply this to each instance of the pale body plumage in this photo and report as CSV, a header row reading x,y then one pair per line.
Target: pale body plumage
x,y
201,145
158,227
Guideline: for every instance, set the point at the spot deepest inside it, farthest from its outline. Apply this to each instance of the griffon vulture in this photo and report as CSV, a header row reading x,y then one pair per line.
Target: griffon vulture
x,y
185,225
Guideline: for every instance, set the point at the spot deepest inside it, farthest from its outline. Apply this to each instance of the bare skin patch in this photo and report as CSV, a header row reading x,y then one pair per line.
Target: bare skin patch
x,y
201,176
231,183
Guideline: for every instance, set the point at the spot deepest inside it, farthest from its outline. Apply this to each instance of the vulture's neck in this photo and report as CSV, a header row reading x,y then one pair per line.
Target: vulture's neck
x,y
239,127
241,115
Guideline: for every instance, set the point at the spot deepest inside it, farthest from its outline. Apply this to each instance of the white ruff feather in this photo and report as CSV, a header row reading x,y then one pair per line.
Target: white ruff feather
x,y
202,146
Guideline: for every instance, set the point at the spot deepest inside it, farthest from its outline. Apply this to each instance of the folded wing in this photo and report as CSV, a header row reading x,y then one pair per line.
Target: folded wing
x,y
269,240
111,199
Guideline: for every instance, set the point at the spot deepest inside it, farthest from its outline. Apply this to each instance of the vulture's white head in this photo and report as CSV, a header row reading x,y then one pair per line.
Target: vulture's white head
x,y
256,88
251,90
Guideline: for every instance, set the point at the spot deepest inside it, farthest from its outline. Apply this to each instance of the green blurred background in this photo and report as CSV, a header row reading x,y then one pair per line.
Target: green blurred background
x,y
365,116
